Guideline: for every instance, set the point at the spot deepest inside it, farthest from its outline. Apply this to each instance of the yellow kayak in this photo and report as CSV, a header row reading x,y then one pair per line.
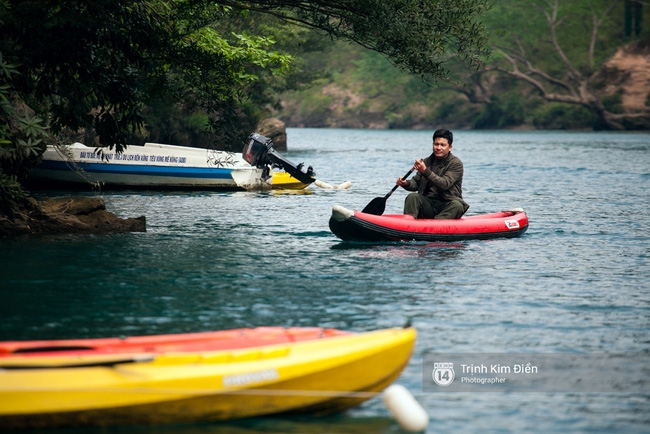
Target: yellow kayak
x,y
317,375
283,180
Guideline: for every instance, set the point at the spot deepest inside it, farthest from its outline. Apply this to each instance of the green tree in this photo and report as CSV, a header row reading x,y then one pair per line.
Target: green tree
x,y
102,66
21,142
21,134
563,65
417,36
96,65
179,122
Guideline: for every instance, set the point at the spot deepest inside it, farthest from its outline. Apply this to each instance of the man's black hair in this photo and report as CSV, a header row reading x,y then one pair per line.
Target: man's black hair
x,y
445,134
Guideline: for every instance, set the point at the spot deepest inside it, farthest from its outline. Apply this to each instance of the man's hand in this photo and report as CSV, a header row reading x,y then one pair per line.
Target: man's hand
x,y
400,182
419,166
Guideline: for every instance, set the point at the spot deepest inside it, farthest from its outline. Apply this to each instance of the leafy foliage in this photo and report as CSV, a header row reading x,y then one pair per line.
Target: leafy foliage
x,y
417,36
21,133
561,66
99,73
557,116
20,139
483,97
12,194
103,66
504,111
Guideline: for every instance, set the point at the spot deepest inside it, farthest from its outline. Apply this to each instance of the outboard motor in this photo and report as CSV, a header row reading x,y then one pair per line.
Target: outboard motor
x,y
259,152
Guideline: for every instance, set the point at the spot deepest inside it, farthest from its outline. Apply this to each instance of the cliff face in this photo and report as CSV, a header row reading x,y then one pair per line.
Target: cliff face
x,y
633,84
66,215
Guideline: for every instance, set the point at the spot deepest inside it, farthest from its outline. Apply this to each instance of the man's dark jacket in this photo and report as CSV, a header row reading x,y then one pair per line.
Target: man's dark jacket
x,y
441,180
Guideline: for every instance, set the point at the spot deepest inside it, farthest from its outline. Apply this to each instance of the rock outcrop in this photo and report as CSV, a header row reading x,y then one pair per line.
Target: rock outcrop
x,y
628,74
275,130
634,87
66,215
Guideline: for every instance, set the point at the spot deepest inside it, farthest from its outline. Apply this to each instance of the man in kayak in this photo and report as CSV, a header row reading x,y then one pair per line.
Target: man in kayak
x,y
439,183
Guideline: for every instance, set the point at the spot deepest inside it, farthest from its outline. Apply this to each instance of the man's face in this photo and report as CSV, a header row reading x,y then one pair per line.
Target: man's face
x,y
441,147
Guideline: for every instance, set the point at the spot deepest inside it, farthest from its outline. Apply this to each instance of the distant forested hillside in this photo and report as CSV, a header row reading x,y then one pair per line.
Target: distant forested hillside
x,y
554,64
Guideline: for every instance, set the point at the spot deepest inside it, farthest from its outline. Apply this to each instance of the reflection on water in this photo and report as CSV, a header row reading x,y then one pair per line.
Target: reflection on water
x,y
337,424
409,250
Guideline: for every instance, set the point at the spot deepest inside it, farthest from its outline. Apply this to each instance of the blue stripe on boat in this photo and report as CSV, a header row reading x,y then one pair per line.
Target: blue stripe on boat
x,y
132,169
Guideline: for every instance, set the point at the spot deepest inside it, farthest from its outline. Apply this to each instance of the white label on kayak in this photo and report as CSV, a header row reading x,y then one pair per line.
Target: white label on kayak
x,y
512,224
250,377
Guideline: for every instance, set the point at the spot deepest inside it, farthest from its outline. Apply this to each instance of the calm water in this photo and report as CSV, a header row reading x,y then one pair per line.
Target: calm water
x,y
577,281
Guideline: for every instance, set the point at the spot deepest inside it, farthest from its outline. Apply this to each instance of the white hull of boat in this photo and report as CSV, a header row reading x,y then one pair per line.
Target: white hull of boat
x,y
150,166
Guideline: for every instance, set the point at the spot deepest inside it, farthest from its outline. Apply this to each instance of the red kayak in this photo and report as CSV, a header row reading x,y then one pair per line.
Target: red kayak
x,y
351,225
183,342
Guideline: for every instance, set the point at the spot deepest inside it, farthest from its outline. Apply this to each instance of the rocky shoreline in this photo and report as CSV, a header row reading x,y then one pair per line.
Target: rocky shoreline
x,y
67,215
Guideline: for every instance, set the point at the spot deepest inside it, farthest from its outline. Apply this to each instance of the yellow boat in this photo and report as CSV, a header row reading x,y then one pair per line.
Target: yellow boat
x,y
284,180
317,375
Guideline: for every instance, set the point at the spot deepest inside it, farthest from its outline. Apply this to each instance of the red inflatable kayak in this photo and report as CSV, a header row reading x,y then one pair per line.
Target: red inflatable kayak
x,y
157,344
351,225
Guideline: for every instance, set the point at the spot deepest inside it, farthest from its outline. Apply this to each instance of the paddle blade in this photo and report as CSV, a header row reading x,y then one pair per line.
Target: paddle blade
x,y
376,206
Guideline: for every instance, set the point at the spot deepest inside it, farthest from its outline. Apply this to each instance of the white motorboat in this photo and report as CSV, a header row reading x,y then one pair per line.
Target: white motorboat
x,y
153,165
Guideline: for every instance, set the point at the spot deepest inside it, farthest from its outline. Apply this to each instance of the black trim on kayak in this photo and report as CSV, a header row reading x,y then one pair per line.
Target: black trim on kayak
x,y
356,229
105,363
50,349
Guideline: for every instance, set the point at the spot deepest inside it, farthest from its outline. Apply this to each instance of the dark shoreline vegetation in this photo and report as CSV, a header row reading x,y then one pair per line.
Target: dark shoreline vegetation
x,y
204,74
